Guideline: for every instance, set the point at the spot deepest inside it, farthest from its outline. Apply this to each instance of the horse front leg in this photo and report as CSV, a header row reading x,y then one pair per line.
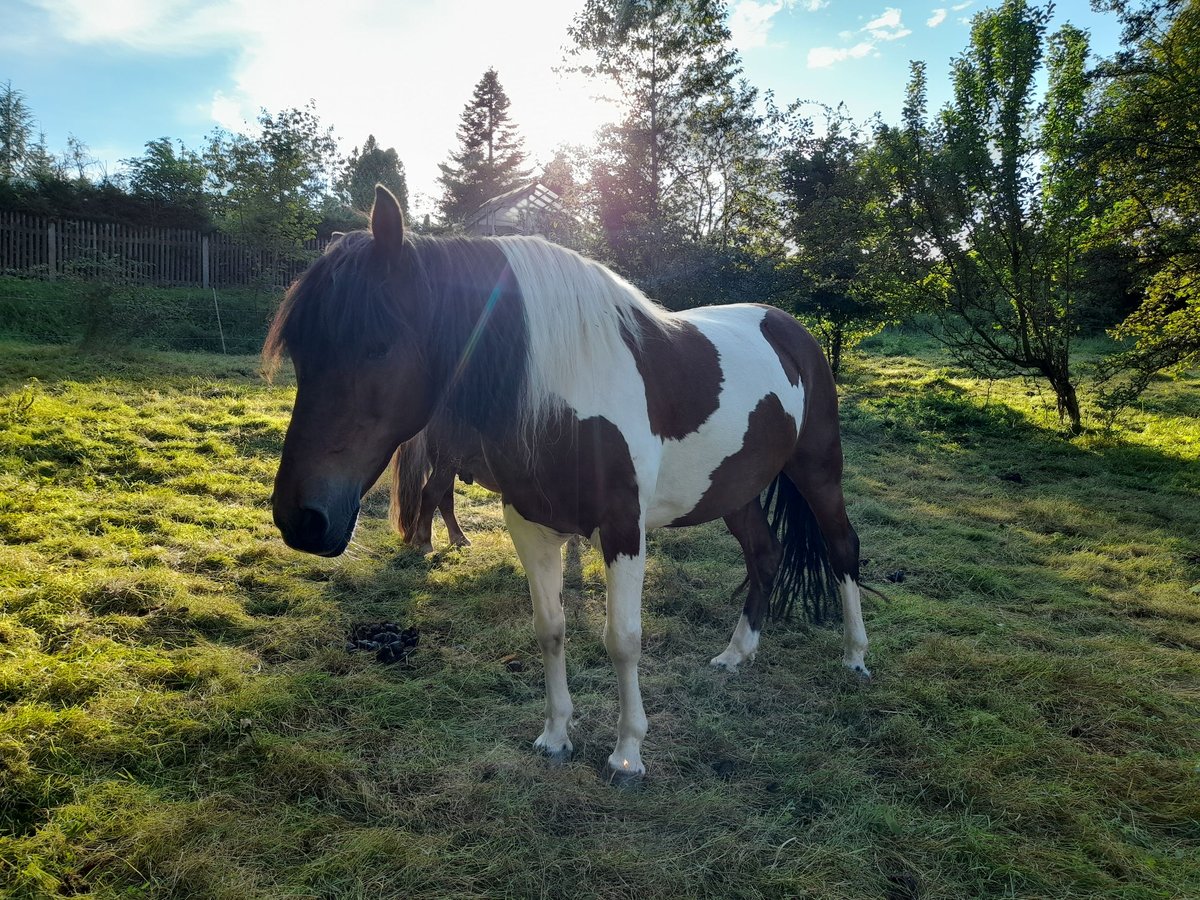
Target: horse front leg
x,y
623,640
540,552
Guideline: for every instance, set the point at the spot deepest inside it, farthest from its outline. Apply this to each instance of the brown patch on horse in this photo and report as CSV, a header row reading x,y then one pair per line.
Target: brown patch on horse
x,y
666,359
579,478
779,330
744,473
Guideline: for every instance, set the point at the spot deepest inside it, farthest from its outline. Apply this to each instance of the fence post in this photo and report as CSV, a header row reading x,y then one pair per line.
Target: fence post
x,y
52,249
204,278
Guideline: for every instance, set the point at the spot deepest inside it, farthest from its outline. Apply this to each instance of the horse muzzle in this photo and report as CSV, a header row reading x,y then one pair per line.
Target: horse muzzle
x,y
317,529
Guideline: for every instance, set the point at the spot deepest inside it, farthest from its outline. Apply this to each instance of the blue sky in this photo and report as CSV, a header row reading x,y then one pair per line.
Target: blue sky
x,y
118,73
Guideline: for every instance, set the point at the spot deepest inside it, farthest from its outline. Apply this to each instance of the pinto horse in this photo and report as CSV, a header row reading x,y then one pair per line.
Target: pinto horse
x,y
598,412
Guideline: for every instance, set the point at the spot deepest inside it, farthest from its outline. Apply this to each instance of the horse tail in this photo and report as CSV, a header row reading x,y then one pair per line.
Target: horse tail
x,y
805,574
411,467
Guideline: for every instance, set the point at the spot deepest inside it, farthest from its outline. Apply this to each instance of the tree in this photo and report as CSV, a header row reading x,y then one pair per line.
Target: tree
x,y
994,199
16,130
831,209
1149,155
490,159
670,170
168,177
371,166
269,189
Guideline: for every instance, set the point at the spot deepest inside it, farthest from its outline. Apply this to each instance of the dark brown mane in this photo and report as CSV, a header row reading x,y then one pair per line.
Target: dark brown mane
x,y
336,306
446,294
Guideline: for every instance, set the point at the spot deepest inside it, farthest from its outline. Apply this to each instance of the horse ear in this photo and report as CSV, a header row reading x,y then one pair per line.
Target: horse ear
x,y
387,222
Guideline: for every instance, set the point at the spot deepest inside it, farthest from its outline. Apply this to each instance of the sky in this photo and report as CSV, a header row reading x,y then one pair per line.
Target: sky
x,y
119,73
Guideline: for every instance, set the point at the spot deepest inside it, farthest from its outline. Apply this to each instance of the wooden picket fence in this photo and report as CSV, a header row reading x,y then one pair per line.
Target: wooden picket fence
x,y
54,248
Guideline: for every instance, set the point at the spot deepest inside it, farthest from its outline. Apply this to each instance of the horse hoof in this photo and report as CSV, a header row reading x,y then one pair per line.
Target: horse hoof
x,y
557,758
723,665
625,780
425,549
460,541
859,669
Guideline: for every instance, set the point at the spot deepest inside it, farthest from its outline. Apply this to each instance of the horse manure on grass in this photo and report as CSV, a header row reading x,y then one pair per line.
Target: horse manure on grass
x,y
386,640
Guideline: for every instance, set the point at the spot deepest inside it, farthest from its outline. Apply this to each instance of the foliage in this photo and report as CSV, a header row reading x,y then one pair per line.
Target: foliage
x,y
16,132
368,167
268,189
180,717
830,204
100,313
993,198
489,161
169,177
685,165
1145,145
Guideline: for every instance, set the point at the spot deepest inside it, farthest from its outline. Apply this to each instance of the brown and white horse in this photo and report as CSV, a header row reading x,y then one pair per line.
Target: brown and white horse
x,y
598,413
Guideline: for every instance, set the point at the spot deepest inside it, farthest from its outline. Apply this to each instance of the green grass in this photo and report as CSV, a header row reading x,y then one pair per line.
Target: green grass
x,y
178,716
106,315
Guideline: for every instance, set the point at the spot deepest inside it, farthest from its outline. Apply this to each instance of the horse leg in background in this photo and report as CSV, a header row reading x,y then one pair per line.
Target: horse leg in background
x,y
446,508
540,552
821,487
438,485
761,549
624,577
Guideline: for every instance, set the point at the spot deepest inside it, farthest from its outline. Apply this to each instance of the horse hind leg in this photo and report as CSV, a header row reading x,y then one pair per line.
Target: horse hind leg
x,y
821,486
457,537
762,552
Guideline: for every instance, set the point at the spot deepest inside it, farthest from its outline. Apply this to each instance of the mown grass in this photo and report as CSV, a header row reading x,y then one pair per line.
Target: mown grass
x,y
178,716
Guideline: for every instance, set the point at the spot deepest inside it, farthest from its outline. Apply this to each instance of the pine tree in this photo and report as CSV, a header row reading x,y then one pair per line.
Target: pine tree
x,y
490,159
16,131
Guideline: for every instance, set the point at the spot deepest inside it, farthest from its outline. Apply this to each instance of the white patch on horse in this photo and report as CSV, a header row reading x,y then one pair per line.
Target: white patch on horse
x,y
742,647
577,313
540,552
854,632
688,463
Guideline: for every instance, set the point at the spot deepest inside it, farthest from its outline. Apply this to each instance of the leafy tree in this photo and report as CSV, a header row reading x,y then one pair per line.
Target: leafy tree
x,y
1148,152
269,189
673,169
371,166
16,131
490,159
168,176
831,208
993,197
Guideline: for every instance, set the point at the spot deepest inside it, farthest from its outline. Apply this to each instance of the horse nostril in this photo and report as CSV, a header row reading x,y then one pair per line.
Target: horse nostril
x,y
313,525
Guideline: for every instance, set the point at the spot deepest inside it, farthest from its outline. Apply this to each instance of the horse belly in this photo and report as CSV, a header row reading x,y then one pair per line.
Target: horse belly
x,y
744,444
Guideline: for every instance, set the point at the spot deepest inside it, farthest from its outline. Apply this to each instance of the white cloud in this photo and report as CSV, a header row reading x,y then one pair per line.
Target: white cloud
x,y
750,23
822,57
887,26
400,71
959,7
938,17
814,5
884,27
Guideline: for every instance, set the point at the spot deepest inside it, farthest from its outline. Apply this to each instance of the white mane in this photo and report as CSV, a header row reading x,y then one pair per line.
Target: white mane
x,y
576,311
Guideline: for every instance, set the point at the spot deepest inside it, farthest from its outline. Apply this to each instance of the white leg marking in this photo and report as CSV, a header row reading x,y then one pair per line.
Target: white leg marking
x,y
854,632
540,552
742,647
623,639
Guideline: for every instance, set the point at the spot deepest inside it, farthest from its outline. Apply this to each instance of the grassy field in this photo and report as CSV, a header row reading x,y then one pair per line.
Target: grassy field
x,y
178,716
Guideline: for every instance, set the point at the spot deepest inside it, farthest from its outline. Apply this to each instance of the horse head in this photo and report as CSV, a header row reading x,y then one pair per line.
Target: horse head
x,y
355,325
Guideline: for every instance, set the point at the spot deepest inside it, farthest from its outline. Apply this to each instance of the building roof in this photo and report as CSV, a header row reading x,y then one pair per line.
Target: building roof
x,y
533,197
